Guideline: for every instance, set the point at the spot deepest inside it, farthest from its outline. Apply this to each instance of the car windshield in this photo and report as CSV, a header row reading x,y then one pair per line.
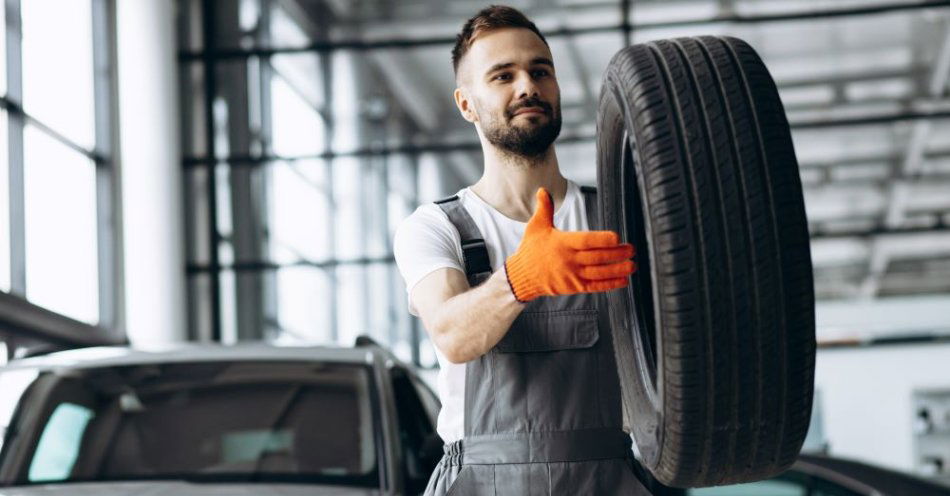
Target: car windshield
x,y
215,421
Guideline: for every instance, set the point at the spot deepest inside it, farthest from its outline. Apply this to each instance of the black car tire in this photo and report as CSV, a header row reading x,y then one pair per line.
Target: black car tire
x,y
715,335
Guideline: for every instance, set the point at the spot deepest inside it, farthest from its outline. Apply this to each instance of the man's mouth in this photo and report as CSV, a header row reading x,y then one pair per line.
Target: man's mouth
x,y
530,111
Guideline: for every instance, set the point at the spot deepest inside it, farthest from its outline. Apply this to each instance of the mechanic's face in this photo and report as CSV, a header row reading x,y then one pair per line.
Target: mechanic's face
x,y
509,90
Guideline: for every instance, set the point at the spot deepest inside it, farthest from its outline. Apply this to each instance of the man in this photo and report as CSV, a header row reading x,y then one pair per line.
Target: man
x,y
505,277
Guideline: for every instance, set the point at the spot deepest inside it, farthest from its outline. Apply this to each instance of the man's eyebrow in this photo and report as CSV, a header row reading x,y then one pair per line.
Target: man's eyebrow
x,y
498,67
543,61
534,61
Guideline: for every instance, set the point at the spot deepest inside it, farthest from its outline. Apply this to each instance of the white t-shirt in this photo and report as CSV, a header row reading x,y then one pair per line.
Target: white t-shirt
x,y
427,241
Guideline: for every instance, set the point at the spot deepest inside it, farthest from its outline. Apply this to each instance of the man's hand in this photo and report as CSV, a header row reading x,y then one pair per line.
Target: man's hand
x,y
550,262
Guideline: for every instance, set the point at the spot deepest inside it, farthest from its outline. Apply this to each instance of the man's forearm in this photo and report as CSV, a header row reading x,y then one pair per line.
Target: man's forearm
x,y
470,324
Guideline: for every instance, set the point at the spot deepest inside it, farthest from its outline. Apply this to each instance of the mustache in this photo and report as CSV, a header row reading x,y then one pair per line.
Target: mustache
x,y
530,102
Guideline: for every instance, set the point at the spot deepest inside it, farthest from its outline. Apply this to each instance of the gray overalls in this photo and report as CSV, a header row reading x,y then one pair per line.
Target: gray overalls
x,y
542,408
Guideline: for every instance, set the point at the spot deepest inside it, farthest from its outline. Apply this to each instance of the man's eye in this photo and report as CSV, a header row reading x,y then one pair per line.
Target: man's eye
x,y
502,77
541,73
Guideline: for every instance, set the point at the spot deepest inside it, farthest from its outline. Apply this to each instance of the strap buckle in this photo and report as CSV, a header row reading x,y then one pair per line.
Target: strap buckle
x,y
475,257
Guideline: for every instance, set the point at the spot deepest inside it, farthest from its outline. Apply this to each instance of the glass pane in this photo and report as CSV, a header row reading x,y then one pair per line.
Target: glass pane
x,y
57,48
826,488
299,224
197,215
194,124
4,205
61,245
761,488
298,128
381,309
368,306
247,24
393,98
3,50
400,326
352,303
303,304
348,201
309,422
58,448
303,72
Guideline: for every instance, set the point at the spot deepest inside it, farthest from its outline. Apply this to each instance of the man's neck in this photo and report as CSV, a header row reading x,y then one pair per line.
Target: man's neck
x,y
509,183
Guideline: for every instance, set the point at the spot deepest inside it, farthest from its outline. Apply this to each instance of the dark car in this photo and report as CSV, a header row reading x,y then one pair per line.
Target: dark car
x,y
817,475
203,419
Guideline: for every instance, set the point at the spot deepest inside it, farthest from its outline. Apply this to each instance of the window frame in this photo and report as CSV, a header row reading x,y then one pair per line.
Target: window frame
x,y
25,326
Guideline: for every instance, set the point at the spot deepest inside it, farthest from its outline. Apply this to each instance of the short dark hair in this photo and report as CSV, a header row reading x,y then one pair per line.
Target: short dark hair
x,y
489,18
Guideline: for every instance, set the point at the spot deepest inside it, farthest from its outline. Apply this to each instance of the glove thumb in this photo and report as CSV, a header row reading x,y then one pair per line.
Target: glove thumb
x,y
543,212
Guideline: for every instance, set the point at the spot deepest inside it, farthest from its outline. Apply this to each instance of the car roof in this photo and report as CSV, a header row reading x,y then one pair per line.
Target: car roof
x,y
106,356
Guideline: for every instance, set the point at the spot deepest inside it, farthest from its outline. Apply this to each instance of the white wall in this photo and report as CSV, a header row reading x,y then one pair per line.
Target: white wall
x,y
151,171
866,396
866,392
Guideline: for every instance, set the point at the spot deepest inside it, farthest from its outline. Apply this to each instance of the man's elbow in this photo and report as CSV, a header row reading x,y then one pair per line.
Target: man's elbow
x,y
452,349
457,357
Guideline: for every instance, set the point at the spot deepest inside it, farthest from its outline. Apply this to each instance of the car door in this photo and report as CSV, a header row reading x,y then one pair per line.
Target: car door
x,y
420,444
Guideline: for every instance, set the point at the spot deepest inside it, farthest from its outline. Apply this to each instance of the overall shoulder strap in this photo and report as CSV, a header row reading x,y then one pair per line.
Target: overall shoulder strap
x,y
590,205
474,250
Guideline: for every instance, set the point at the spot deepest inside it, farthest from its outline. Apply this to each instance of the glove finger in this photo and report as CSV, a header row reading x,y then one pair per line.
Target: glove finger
x,y
543,210
611,271
586,240
606,285
605,255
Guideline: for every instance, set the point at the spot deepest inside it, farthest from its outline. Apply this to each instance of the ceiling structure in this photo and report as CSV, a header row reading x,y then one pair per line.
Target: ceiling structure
x,y
864,83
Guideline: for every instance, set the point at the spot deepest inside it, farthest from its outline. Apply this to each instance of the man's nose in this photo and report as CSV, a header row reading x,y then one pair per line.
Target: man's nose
x,y
527,87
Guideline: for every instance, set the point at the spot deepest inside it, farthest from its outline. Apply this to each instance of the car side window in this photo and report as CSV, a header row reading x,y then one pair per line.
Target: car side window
x,y
58,446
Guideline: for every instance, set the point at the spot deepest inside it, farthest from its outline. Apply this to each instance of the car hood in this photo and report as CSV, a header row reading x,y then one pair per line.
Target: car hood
x,y
184,489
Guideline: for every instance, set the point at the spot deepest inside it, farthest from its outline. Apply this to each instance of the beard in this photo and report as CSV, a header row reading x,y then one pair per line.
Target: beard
x,y
530,140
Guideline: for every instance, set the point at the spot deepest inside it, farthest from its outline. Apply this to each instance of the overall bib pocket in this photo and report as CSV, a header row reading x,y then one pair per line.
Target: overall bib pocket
x,y
557,330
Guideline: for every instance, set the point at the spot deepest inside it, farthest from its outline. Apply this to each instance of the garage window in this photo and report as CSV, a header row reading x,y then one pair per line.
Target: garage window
x,y
58,210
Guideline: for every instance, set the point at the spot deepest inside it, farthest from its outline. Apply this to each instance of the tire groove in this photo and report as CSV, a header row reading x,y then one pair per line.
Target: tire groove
x,y
718,185
774,231
667,82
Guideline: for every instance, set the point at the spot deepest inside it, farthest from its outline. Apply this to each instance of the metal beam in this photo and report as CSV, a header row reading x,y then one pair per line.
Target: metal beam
x,y
208,17
108,215
931,178
326,46
583,77
21,317
881,230
264,265
870,158
11,104
15,124
910,165
257,160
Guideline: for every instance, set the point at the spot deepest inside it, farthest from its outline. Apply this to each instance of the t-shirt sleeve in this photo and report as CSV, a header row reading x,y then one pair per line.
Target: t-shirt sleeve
x,y
425,242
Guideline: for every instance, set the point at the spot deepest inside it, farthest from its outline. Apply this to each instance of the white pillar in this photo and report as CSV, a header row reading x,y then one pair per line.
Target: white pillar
x,y
151,171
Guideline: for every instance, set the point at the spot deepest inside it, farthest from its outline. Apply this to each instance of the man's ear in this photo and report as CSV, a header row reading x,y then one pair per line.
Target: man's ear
x,y
464,105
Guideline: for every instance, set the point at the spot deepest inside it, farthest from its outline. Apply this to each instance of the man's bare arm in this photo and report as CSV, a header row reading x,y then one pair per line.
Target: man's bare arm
x,y
465,323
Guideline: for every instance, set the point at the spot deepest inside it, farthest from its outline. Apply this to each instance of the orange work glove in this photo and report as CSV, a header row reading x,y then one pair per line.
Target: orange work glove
x,y
551,262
